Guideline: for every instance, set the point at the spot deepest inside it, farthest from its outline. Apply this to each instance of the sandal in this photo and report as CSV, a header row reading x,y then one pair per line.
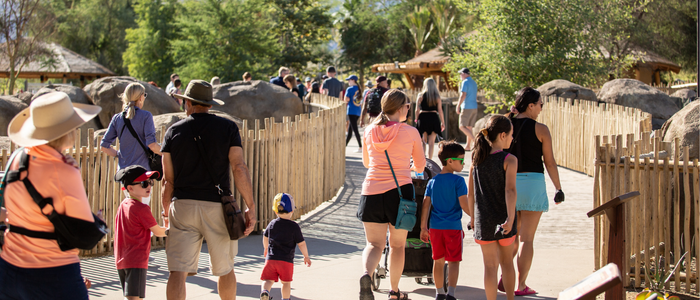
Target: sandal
x,y
264,295
399,295
366,288
525,292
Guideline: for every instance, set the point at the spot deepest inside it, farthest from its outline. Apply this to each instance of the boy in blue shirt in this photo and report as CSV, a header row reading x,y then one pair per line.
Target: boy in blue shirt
x,y
447,193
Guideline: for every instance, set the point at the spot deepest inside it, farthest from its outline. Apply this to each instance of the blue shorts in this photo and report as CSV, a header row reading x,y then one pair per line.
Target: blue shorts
x,y
532,192
60,283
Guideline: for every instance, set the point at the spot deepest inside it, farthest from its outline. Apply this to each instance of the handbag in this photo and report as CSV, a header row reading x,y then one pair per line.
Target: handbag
x,y
69,232
406,217
155,161
235,220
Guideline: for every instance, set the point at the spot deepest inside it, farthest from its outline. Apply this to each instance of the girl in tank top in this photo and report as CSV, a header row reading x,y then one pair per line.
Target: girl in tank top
x,y
491,198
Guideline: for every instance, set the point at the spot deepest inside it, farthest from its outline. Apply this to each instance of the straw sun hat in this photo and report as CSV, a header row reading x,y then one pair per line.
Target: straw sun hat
x,y
49,117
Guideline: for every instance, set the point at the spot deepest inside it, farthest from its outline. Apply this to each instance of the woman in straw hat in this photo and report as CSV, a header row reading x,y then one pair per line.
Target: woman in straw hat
x,y
33,268
130,151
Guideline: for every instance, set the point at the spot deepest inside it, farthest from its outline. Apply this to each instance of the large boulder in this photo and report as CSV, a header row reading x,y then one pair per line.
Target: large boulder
x,y
256,99
566,89
481,124
10,106
685,125
105,93
76,95
685,94
634,93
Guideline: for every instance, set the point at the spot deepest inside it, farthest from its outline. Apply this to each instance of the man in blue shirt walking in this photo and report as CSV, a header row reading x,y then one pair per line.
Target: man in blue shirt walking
x,y
467,106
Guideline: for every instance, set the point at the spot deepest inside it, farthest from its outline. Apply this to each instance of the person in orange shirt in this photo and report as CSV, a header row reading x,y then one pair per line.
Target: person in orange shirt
x,y
45,129
379,201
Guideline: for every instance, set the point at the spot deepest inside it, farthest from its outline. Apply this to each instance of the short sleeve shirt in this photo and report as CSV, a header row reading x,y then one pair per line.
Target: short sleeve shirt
x,y
132,234
469,87
192,179
334,87
354,106
444,191
130,151
284,235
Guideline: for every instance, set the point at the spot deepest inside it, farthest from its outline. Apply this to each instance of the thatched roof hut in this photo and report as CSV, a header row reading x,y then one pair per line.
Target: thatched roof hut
x,y
427,64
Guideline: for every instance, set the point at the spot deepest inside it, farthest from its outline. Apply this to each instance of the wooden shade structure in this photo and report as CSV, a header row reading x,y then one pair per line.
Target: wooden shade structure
x,y
427,64
67,65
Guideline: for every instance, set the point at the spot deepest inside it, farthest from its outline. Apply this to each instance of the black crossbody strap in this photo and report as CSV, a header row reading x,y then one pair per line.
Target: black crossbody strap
x,y
133,133
200,148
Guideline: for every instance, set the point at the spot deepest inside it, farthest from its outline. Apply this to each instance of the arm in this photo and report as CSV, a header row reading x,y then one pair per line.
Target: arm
x,y
346,99
424,215
305,252
365,153
418,100
470,195
295,93
464,203
241,176
364,110
418,154
109,151
158,231
155,148
108,139
266,241
442,119
511,167
3,214
462,96
168,179
550,163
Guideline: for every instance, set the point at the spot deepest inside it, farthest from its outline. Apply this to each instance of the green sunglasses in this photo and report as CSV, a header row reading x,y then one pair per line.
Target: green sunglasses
x,y
461,160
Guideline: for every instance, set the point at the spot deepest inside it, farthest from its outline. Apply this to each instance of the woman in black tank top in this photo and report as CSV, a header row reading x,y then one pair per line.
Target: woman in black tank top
x,y
429,117
532,145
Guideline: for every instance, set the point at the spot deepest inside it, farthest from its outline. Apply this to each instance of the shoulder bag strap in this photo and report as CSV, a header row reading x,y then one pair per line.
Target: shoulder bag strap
x,y
394,174
133,133
3,184
200,148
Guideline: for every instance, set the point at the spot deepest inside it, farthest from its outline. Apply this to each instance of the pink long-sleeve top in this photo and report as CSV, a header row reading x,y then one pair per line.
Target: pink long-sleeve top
x,y
402,142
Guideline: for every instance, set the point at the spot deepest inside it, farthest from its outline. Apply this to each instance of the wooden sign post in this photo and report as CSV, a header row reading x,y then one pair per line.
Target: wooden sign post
x,y
616,237
594,284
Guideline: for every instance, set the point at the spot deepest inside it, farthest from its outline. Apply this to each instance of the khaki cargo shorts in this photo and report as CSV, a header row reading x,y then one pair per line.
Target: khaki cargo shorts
x,y
192,221
467,117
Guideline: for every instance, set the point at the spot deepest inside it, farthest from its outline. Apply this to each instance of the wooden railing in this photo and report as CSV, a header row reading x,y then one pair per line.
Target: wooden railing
x,y
665,222
304,157
573,125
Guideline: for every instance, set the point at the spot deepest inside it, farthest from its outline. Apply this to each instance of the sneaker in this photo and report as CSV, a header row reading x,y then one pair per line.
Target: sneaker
x,y
358,150
366,288
440,297
265,296
450,297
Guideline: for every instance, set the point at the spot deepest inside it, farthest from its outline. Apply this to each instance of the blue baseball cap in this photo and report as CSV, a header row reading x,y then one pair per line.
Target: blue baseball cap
x,y
352,77
286,201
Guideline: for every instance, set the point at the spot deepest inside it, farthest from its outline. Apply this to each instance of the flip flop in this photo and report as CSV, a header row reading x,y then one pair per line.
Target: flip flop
x,y
525,292
500,286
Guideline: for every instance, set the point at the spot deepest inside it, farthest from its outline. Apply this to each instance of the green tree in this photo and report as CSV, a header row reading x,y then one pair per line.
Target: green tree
x,y
420,27
362,30
225,38
148,56
443,13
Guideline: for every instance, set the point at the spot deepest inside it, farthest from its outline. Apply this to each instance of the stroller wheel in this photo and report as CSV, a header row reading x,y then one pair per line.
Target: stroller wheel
x,y
419,280
375,281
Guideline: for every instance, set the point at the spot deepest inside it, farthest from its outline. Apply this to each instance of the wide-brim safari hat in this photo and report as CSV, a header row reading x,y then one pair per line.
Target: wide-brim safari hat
x,y
49,117
199,91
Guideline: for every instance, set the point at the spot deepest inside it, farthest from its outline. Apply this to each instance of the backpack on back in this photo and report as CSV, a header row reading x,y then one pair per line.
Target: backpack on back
x,y
374,103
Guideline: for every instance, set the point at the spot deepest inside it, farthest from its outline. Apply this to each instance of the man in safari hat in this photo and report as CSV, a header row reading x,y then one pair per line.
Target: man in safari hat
x,y
192,194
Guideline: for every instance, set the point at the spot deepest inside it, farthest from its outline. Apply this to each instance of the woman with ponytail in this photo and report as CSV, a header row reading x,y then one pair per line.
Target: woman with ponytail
x,y
532,145
130,152
379,202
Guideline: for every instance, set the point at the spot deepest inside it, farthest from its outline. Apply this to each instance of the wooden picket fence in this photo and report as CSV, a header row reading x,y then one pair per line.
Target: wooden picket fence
x,y
664,222
304,157
573,125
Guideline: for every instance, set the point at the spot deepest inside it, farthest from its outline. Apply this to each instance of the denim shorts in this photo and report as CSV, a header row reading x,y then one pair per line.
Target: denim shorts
x,y
532,192
57,283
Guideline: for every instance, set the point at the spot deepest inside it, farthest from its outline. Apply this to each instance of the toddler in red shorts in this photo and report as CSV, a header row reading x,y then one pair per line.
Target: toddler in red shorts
x,y
447,193
280,239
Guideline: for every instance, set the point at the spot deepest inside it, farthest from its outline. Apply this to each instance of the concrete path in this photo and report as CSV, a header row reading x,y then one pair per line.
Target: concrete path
x,y
563,252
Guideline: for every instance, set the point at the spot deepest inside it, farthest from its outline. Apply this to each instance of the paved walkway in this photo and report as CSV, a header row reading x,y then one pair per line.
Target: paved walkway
x,y
563,252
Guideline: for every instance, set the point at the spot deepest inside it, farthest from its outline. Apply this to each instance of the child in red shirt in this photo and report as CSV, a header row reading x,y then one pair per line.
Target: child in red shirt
x,y
132,230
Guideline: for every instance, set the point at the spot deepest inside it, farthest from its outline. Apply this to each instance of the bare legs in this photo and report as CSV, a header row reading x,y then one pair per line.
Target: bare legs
x,y
175,289
439,273
375,234
429,142
495,255
467,130
527,226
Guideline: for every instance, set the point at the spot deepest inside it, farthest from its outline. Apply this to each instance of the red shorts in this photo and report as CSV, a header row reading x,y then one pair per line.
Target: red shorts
x,y
446,243
502,242
275,269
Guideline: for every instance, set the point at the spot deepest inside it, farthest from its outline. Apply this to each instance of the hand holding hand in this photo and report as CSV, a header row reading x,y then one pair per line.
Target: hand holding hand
x,y
307,261
250,220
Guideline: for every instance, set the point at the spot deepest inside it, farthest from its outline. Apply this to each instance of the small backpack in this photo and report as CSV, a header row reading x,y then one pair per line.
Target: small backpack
x,y
374,103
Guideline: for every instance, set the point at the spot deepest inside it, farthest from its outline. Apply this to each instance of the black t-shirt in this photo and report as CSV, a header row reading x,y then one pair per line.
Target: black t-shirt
x,y
294,89
284,236
192,179
334,87
315,88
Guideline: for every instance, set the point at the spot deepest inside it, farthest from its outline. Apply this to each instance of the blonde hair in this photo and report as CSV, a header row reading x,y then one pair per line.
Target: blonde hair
x,y
282,70
430,92
247,75
62,141
132,94
392,101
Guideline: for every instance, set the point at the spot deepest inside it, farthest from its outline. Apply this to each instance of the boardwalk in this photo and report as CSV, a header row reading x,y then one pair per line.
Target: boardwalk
x,y
563,253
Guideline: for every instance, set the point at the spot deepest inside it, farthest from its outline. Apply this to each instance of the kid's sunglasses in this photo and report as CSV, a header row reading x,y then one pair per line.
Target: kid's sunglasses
x,y
461,160
144,184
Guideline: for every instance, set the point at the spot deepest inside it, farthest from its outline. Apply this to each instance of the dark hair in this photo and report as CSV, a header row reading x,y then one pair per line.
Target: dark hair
x,y
494,126
246,75
330,69
173,75
523,99
177,83
449,149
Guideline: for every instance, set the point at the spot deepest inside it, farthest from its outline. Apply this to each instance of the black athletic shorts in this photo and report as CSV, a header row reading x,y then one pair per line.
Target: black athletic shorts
x,y
133,282
382,208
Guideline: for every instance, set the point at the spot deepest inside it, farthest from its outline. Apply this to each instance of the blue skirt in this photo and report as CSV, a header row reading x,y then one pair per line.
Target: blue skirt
x,y
532,192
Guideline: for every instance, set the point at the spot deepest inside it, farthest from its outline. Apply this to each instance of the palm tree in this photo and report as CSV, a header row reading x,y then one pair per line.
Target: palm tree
x,y
417,23
443,14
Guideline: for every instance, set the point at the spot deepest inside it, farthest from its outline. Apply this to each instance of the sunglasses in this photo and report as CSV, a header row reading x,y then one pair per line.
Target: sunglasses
x,y
144,184
461,160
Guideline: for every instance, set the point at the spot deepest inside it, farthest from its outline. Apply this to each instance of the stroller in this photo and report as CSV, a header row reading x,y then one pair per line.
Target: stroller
x,y
419,255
